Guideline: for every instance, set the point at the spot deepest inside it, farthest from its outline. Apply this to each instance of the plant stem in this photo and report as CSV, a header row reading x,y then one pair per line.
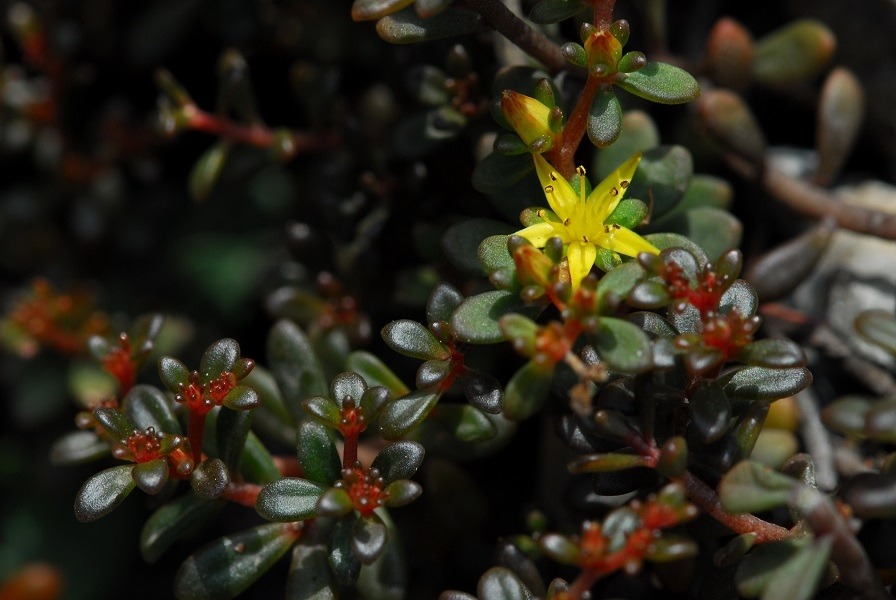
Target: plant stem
x,y
350,450
195,433
563,157
242,493
583,584
708,501
603,14
815,202
517,31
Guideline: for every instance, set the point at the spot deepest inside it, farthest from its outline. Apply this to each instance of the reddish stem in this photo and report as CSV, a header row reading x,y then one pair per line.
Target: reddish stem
x,y
242,493
603,13
563,156
705,498
350,449
288,466
583,584
195,433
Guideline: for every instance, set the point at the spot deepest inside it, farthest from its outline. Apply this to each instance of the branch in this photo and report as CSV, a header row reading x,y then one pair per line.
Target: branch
x,y
517,31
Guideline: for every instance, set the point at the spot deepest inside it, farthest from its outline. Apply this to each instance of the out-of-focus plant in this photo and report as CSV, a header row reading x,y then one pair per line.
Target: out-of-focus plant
x,y
582,317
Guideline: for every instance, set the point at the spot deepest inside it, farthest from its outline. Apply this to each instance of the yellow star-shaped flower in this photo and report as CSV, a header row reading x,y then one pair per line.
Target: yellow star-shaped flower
x,y
581,222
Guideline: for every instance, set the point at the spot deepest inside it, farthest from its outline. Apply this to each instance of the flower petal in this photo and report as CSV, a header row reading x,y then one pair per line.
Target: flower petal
x,y
604,198
624,241
581,257
538,234
561,197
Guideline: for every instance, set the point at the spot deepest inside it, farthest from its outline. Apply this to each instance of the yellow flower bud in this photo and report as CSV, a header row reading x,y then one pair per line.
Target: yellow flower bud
x,y
529,118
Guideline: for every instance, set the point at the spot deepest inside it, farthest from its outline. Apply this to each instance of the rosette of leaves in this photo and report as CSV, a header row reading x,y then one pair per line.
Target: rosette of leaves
x,y
350,527
601,55
146,433
441,346
124,358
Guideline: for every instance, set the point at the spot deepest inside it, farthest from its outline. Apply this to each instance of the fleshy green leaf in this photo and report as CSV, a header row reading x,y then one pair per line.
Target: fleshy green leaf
x,y
710,411
773,353
115,422
442,303
461,241
368,538
229,565
407,27
147,406
759,566
404,414
413,339
370,10
310,577
497,171
527,391
796,51
660,82
294,365
604,118
402,492
77,447
288,499
663,177
483,391
798,578
604,463
151,476
878,327
398,461
207,169
103,492
317,454
466,422
500,583
219,357
476,319
334,502
210,478
241,398
761,383
173,373
343,562
622,345
554,11
172,521
752,487
375,372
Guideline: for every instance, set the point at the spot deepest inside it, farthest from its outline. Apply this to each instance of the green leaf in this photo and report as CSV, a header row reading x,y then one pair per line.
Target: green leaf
x,y
606,463
878,327
496,171
347,385
619,282
663,177
871,495
174,520
622,345
710,411
798,578
288,499
432,372
173,373
773,353
343,562
759,566
559,548
604,118
375,372
847,414
629,213
370,10
219,357
398,461
660,82
554,11
413,339
261,380
639,133
241,398
229,565
151,476
493,255
368,538
734,551
712,229
402,492
103,492
740,295
334,502
841,112
761,383
466,422
231,430
752,487
483,391
210,478
386,578
795,52
257,464
310,577
294,365
500,583
442,303
115,422
404,414
670,548
476,319
407,27
147,406
729,122
527,391
317,454
461,241
77,447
